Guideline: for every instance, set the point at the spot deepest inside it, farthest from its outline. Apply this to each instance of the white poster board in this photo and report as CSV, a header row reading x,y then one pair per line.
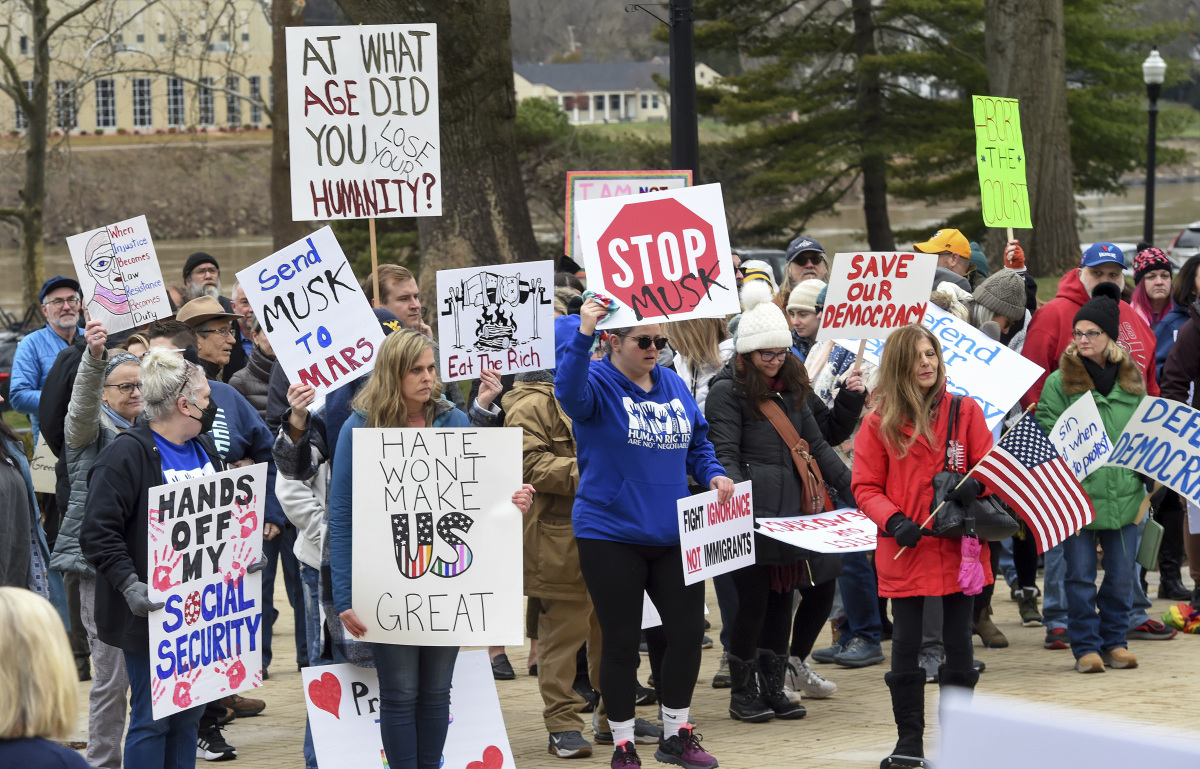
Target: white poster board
x,y
318,319
363,111
1161,441
202,534
1079,437
841,531
872,294
976,365
715,538
41,467
664,256
590,185
119,275
499,317
343,712
437,539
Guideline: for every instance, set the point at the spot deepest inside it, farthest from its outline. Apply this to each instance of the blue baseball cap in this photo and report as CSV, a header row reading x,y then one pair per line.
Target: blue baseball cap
x,y
58,281
1102,253
802,244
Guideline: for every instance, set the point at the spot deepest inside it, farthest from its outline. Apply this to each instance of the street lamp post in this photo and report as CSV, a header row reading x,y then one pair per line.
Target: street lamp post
x,y
1154,69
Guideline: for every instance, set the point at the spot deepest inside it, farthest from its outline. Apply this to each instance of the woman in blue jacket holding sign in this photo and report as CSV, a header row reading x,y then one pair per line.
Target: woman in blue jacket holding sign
x,y
639,435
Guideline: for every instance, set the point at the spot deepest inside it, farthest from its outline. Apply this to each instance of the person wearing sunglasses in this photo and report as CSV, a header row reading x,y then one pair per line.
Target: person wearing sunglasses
x,y
639,435
805,261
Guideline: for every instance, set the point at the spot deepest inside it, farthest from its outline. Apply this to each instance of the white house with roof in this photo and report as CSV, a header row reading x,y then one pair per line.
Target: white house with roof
x,y
601,92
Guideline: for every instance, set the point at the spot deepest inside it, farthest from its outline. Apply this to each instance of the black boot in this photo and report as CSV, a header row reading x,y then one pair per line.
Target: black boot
x,y
1169,511
745,704
908,708
771,669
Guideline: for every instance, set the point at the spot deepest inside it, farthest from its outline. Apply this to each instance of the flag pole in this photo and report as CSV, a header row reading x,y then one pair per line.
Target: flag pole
x,y
968,475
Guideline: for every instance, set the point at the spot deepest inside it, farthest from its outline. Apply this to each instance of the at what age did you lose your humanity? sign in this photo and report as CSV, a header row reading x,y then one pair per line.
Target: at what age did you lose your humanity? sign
x,y
363,106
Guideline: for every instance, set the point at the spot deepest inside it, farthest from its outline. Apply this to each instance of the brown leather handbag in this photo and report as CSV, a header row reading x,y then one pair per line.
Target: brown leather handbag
x,y
813,497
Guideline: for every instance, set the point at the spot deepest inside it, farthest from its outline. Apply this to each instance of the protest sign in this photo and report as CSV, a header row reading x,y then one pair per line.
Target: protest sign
x,y
1162,441
841,531
503,319
664,256
716,538
1079,437
343,712
363,110
417,581
119,275
976,365
318,319
1000,151
872,294
202,534
41,467
590,185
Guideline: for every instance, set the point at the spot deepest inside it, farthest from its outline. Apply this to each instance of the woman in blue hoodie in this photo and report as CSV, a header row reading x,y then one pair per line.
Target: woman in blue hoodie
x,y
639,435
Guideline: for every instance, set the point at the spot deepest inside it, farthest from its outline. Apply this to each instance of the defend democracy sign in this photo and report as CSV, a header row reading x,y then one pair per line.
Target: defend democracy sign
x,y
871,294
363,109
976,365
716,538
437,540
202,534
1000,152
1162,441
1080,438
842,531
119,275
590,185
318,319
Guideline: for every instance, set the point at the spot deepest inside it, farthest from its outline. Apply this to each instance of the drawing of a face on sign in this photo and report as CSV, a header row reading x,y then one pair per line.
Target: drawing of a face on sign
x,y
101,265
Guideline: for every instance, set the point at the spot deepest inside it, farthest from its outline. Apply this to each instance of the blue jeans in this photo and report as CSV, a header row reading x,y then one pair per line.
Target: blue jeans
x,y
310,577
169,743
860,596
1099,618
727,603
1054,592
414,702
280,552
1139,601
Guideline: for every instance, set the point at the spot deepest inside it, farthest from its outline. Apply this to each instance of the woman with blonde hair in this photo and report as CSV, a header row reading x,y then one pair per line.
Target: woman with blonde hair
x,y
414,681
37,684
702,346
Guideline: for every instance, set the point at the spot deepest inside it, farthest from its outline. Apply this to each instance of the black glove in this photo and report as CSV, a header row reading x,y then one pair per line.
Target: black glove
x,y
904,529
967,492
137,595
258,565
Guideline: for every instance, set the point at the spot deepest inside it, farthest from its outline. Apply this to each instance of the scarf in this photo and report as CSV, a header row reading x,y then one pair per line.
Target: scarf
x,y
1104,377
119,422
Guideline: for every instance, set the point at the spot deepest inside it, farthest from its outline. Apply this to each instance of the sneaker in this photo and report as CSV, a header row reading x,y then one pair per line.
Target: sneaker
x,y
590,696
1151,630
625,755
1031,616
860,653
721,679
684,750
502,669
706,642
1120,658
979,665
243,707
931,660
802,678
645,696
569,745
825,656
1057,638
211,745
1089,663
644,733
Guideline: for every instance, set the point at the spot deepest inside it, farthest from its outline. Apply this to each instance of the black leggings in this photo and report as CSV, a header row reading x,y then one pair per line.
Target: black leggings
x,y
616,573
763,618
1025,559
956,631
815,604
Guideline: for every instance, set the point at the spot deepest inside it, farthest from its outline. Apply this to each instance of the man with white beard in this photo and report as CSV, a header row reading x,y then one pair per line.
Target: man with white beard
x,y
202,276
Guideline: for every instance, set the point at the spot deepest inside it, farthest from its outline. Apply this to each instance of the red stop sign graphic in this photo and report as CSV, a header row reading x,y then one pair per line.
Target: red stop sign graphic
x,y
659,258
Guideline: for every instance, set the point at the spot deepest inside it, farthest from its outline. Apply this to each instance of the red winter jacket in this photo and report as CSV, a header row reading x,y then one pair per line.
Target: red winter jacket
x,y
1050,333
885,484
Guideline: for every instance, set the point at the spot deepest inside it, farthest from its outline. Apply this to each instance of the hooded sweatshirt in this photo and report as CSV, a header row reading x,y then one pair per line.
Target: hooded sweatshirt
x,y
635,448
1050,333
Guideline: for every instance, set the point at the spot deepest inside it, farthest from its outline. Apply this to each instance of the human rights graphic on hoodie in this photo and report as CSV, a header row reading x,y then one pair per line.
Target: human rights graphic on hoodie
x,y
658,425
119,275
203,533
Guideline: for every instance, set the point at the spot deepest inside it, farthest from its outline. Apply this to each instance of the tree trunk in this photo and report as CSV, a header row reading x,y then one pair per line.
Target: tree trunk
x,y
485,216
868,101
33,194
284,232
1026,58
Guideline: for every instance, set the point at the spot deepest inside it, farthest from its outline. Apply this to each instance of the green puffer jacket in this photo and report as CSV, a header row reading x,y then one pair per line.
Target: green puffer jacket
x,y
1116,492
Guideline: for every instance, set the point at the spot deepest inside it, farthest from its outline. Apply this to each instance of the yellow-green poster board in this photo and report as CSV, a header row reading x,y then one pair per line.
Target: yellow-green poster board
x,y
1000,153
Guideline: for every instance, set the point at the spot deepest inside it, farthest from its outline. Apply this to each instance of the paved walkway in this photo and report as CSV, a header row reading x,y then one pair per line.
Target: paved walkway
x,y
852,729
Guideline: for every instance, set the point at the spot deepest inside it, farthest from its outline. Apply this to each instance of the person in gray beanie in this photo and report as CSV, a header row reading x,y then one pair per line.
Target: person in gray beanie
x,y
1001,299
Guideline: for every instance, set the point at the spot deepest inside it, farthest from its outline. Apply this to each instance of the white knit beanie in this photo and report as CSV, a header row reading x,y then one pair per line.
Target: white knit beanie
x,y
763,325
804,296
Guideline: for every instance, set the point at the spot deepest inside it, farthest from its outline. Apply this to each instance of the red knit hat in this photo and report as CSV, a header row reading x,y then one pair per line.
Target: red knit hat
x,y
1149,258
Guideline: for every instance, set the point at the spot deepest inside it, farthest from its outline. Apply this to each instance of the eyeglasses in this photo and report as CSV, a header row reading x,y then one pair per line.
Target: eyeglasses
x,y
1091,335
766,356
644,342
227,332
127,388
812,258
202,271
58,303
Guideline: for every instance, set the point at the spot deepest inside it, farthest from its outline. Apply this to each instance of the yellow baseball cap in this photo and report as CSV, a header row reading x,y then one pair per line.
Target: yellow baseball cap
x,y
946,240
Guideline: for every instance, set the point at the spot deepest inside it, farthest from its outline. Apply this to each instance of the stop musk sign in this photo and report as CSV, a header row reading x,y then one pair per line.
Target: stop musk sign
x,y
664,256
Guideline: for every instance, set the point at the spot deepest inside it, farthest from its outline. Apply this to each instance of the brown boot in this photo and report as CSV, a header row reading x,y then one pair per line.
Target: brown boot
x,y
988,632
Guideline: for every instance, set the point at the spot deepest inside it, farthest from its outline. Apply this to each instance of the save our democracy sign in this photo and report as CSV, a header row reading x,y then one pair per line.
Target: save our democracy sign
x,y
1000,155
202,533
590,185
872,294
437,540
716,538
363,110
841,531
319,321
119,275
664,256
1080,438
1162,441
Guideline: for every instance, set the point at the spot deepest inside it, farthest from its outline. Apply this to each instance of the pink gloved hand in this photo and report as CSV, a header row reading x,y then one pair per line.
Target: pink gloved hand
x,y
970,570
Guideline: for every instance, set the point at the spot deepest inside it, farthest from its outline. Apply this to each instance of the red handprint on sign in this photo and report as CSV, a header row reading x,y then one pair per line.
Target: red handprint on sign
x,y
164,567
183,689
157,690
157,530
243,556
236,673
249,521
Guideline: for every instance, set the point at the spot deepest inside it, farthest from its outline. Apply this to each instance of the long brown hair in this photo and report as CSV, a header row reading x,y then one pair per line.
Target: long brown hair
x,y
698,340
758,389
380,398
900,400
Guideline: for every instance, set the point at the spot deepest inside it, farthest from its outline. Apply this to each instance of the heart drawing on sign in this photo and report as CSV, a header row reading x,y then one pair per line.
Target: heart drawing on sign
x,y
326,694
492,759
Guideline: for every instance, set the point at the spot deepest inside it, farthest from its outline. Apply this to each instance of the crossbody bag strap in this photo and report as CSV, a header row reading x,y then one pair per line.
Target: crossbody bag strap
x,y
805,463
950,429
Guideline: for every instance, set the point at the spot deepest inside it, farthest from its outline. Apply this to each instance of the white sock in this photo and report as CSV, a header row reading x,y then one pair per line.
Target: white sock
x,y
673,719
622,731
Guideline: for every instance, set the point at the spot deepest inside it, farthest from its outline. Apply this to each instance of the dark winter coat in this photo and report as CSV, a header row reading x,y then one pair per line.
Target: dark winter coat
x,y
1166,333
253,380
1181,371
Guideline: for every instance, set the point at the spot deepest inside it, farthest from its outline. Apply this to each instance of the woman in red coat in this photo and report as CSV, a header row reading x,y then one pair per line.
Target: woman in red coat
x,y
902,445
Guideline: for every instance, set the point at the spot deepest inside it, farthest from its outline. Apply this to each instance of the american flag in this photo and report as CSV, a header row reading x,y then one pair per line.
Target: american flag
x,y
1026,471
